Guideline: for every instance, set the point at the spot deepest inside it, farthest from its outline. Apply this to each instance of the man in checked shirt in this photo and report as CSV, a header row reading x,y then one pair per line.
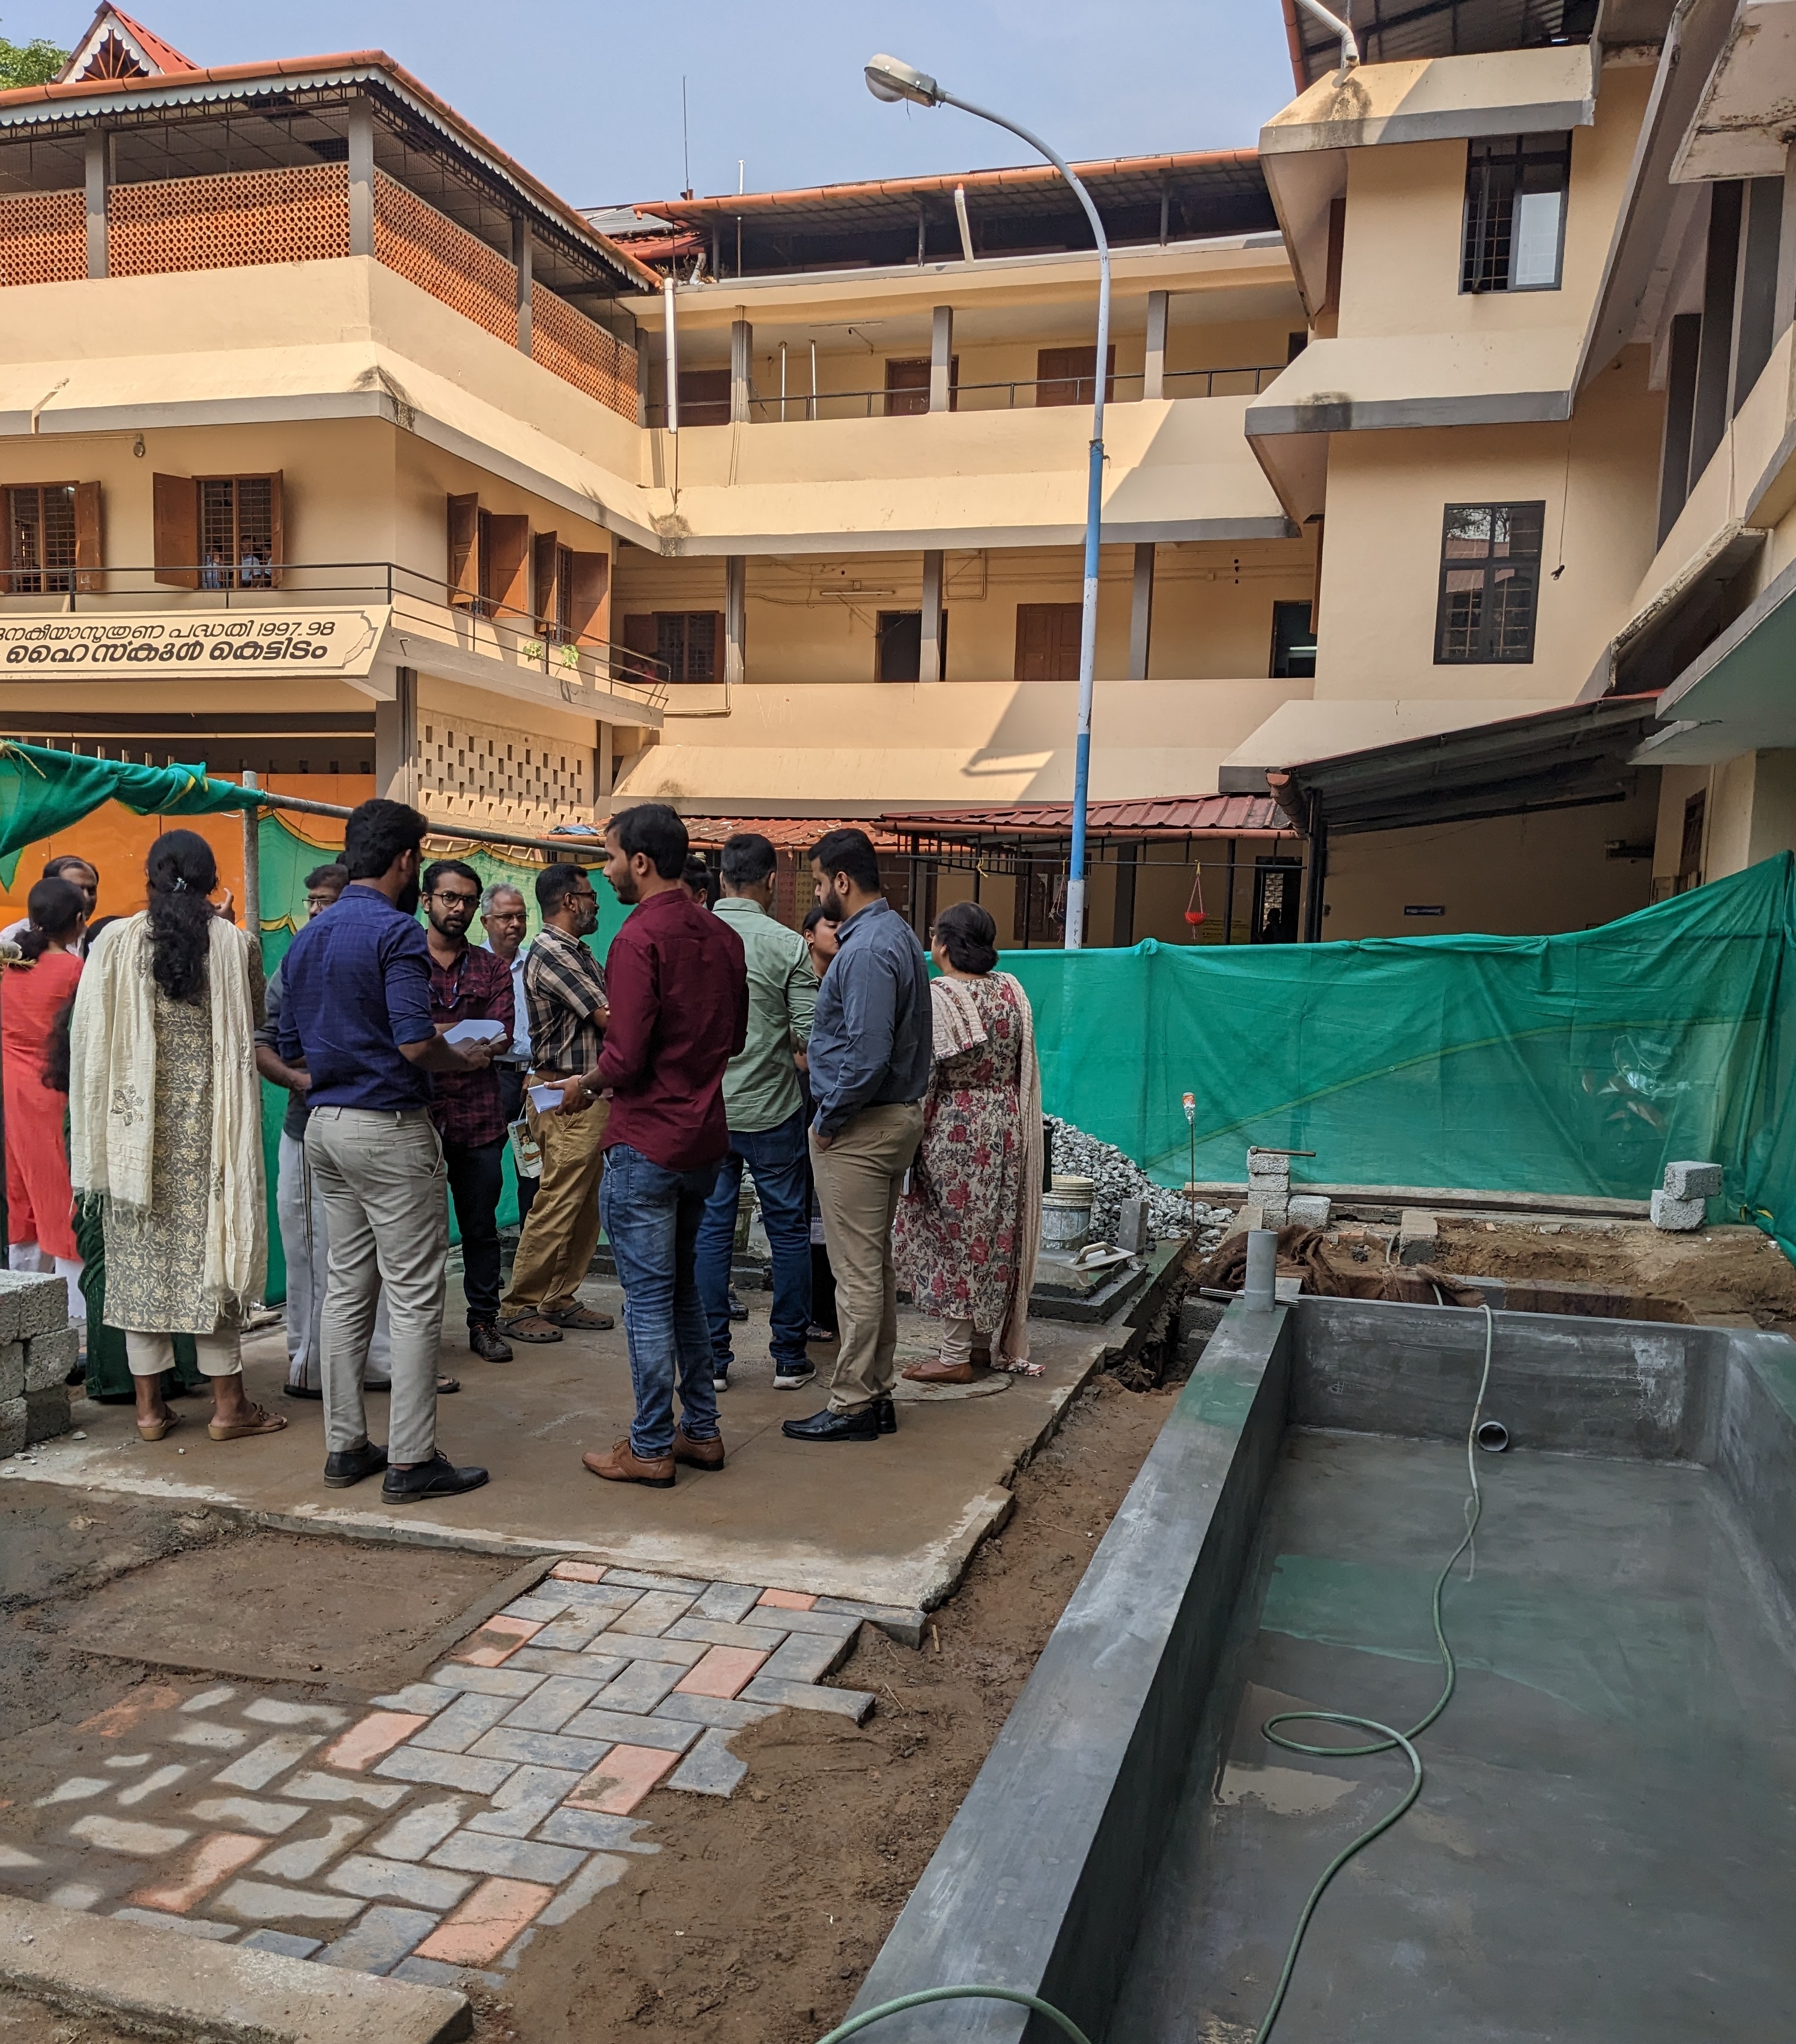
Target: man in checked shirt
x,y
564,988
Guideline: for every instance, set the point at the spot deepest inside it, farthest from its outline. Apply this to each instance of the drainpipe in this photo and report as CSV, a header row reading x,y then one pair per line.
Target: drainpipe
x,y
1349,47
672,333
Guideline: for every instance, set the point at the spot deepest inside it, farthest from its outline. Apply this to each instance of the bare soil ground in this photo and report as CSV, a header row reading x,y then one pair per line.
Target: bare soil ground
x,y
25,2021
1730,1269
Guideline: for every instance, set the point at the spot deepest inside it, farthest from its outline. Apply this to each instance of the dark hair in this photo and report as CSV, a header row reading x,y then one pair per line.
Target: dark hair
x,y
333,874
377,833
182,872
851,851
55,1074
55,868
696,873
55,907
460,868
967,933
555,883
815,915
654,830
748,859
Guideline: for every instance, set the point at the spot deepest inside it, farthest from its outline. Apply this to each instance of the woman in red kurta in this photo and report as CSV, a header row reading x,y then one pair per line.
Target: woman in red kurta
x,y
39,1207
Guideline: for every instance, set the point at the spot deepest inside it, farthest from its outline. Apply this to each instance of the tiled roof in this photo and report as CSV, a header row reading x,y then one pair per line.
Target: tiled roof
x,y
163,54
787,833
1173,815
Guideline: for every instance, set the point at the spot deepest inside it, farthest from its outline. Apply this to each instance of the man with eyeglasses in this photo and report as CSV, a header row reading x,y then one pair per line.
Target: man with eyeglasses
x,y
470,983
565,989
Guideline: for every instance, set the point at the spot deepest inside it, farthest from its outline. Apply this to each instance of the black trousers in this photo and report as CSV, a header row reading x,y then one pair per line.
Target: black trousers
x,y
511,1100
476,1178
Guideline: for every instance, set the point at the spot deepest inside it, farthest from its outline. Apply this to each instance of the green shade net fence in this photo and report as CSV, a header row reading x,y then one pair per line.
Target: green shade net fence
x,y
43,792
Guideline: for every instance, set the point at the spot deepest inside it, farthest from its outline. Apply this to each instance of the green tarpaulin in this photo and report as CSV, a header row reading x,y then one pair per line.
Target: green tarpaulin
x,y
43,792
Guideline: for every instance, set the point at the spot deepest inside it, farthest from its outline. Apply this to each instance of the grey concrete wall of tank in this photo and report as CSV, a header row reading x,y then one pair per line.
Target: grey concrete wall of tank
x,y
1038,1883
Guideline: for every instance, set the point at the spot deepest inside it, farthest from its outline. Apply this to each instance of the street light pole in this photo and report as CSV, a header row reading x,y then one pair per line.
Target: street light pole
x,y
890,79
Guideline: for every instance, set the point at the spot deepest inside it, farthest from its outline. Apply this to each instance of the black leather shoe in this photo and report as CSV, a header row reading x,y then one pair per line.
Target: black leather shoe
x,y
439,1477
350,1465
484,1339
888,1414
305,1390
828,1426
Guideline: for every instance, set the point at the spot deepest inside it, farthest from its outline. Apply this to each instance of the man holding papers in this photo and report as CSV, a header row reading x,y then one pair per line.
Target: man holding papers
x,y
470,1000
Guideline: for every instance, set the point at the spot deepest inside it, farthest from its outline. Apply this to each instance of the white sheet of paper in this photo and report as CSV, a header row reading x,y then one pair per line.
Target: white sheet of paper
x,y
474,1032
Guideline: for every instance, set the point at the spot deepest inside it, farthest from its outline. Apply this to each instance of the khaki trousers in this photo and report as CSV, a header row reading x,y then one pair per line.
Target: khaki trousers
x,y
563,1230
858,1178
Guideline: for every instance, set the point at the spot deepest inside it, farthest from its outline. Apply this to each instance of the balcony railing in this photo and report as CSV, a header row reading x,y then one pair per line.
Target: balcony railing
x,y
581,667
301,215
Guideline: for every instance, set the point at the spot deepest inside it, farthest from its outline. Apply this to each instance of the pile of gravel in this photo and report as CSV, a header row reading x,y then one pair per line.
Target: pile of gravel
x,y
1120,1177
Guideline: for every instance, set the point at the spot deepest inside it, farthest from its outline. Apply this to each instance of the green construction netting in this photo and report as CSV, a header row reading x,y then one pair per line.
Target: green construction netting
x,y
43,792
1580,1063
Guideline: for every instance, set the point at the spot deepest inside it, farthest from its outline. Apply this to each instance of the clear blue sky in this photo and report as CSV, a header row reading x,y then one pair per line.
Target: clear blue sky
x,y
587,97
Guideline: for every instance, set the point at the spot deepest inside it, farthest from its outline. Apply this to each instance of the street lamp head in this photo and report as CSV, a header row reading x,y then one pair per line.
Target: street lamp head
x,y
892,79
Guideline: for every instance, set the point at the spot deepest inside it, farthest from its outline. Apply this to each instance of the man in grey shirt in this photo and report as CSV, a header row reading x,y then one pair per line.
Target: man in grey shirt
x,y
869,1057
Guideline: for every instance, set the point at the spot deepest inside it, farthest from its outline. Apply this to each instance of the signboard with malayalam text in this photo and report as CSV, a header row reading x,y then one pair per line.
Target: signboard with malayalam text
x,y
98,646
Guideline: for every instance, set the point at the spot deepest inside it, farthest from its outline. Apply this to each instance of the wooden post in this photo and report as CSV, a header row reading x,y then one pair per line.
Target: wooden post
x,y
97,204
1140,612
361,177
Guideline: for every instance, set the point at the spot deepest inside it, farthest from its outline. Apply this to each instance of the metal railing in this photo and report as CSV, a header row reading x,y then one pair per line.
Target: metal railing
x,y
473,623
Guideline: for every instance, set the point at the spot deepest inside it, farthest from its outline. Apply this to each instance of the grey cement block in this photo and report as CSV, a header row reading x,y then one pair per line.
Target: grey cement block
x,y
1418,1236
49,1359
1198,1319
615,1728
283,1941
1678,1216
455,1729
12,1370
855,1704
514,1859
804,1658
592,1832
710,1768
31,1304
1692,1181
1308,1210
380,1941
728,1603
445,1770
11,1425
46,1413
729,1713
395,1880
903,1623
1134,1229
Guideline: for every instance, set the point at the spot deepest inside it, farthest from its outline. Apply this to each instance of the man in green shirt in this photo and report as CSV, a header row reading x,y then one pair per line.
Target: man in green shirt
x,y
765,1107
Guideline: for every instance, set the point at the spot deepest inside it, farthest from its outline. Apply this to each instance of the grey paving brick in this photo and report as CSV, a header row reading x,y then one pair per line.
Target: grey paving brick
x,y
571,1635
525,1801
283,1941
550,1707
318,1788
141,1790
447,1770
210,1737
728,1713
189,1926
261,1764
606,1597
517,1859
596,1666
380,1941
601,1833
855,1704
276,1711
488,1682
715,1632
903,1623
508,1959
455,1729
641,1579
830,1624
416,1698
727,1602
541,1605
710,1768
617,1728
119,1834
208,1700
412,1835
640,1687
807,1657
681,1654
653,1612
432,1972
545,1748
395,1880
602,1871
301,1858
262,1902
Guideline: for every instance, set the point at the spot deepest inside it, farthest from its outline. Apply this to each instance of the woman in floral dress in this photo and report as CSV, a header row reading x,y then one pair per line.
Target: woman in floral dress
x,y
968,1231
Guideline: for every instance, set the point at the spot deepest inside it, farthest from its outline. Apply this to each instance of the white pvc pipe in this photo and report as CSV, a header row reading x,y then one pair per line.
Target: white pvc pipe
x,y
672,352
1349,45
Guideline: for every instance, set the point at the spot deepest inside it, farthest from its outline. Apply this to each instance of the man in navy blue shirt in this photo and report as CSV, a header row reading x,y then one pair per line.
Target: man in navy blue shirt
x,y
357,1005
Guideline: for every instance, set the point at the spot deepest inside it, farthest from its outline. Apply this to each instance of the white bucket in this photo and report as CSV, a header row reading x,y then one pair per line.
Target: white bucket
x,y
1066,1213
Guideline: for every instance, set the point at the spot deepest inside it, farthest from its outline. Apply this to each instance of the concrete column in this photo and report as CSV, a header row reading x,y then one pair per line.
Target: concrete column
x,y
396,739
1141,608
929,660
1786,309
735,616
604,765
96,205
520,258
742,370
941,357
1153,380
361,177
642,374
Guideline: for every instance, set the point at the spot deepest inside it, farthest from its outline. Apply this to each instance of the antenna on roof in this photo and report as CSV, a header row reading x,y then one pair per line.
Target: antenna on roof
x,y
685,141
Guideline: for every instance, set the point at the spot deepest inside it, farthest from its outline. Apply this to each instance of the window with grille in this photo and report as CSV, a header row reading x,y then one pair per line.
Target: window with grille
x,y
1489,583
237,515
41,538
1515,213
687,641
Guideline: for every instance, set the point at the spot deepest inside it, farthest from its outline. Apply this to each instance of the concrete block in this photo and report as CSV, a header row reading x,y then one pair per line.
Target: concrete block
x,y
489,1681
552,1705
328,1789
446,1770
12,1424
1134,1227
263,1902
855,1704
189,1926
46,1414
1418,1236
249,1813
516,1859
903,1623
49,1359
728,1713
710,1768
548,1749
119,1834
12,1371
1308,1210
619,1726
653,1611
31,1304
1678,1216
380,1941
1692,1181
590,1831
569,1635
804,1658
1198,1319
211,1738
263,1763
603,1870
419,1829
273,1710
1271,1165
417,1700
455,1729
395,1880
283,1941
826,1624
728,1603
712,1632
305,1858
538,1605
622,1779
643,1683
637,1579
532,1794
574,1667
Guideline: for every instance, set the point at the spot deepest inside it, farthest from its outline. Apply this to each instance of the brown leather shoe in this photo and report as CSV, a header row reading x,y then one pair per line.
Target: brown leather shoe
x,y
621,1467
939,1372
697,1454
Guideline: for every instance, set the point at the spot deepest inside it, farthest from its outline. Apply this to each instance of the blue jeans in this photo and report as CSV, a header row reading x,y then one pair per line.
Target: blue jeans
x,y
779,1160
651,1217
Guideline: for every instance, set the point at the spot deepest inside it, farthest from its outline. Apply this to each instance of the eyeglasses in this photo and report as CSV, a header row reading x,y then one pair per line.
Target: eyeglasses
x,y
466,901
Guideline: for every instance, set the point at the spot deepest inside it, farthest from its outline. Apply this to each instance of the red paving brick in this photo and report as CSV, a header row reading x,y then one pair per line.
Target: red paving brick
x,y
201,1871
364,1743
120,1718
788,1600
621,1780
722,1673
496,1641
578,1572
486,1922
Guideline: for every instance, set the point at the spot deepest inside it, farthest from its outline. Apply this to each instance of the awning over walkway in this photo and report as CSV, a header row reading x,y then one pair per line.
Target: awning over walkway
x,y
1736,696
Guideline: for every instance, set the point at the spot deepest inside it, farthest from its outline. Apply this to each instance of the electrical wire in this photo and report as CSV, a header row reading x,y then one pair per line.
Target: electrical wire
x,y
928,1994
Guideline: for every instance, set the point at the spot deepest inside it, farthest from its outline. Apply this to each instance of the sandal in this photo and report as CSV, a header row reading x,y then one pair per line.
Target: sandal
x,y
260,1421
446,1384
584,1318
938,1372
530,1327
1008,1368
156,1430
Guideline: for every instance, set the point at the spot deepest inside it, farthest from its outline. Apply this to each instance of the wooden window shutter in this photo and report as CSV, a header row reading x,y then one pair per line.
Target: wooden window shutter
x,y
589,598
88,553
545,556
277,528
175,521
506,569
464,553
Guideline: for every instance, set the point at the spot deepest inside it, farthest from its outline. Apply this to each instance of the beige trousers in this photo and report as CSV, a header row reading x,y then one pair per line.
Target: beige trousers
x,y
218,1355
858,1178
563,1230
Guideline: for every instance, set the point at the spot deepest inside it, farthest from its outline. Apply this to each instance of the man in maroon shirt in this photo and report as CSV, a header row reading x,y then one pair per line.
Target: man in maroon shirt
x,y
678,984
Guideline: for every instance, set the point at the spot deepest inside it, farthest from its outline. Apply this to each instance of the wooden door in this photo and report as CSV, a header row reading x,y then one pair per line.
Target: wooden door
x,y
1068,375
1047,642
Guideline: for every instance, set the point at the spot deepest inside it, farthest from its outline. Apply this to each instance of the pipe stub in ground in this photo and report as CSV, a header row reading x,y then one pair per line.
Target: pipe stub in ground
x,y
1493,1437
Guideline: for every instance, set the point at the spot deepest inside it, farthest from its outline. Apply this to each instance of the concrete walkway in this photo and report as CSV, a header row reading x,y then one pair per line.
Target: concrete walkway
x,y
890,1522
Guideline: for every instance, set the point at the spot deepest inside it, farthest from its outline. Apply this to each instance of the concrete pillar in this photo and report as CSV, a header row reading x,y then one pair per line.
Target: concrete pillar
x,y
929,660
1141,609
1786,309
642,374
741,372
941,357
1153,378
396,739
520,258
361,177
735,616
96,204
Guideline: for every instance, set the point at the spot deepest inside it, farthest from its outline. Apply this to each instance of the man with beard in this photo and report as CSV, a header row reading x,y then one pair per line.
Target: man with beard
x,y
869,1058
564,987
358,1011
679,1013
469,984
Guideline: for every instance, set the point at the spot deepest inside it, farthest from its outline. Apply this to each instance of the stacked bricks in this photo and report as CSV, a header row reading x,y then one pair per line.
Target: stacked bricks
x,y
1682,1203
38,1349
1269,1185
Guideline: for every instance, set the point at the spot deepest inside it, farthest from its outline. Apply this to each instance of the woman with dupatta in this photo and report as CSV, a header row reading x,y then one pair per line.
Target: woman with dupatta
x,y
968,1230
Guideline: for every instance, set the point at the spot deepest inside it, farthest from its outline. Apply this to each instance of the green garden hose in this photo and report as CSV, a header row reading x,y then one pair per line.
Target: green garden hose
x,y
928,1994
